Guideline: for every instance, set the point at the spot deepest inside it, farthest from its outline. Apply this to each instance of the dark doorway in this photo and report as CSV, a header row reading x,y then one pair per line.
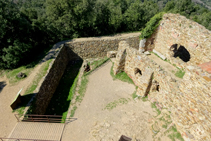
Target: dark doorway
x,y
181,52
137,71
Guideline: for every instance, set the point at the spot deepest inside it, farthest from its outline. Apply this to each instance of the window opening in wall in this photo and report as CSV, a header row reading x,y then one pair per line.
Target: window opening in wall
x,y
137,72
155,86
181,52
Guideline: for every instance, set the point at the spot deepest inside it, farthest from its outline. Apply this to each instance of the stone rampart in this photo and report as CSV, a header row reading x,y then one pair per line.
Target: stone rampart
x,y
77,48
99,46
51,80
187,99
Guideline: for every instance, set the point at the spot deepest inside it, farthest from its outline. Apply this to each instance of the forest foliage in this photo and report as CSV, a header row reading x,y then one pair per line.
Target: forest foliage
x,y
29,26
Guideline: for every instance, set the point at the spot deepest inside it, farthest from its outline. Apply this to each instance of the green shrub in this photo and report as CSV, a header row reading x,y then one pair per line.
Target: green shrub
x,y
151,26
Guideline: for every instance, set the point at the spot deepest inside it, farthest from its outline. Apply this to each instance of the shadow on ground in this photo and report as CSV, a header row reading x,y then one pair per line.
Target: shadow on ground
x,y
61,99
24,100
2,85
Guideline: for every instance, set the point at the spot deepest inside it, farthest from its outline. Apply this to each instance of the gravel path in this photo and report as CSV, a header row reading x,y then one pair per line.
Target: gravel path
x,y
7,95
96,122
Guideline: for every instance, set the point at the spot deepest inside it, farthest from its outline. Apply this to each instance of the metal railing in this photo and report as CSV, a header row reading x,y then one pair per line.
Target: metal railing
x,y
39,118
18,139
42,118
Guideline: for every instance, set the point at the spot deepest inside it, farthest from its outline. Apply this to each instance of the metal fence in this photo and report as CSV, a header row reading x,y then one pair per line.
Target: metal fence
x,y
18,139
41,118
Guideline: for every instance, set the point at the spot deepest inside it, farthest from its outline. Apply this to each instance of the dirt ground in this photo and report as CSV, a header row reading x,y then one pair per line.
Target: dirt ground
x,y
7,95
122,117
108,111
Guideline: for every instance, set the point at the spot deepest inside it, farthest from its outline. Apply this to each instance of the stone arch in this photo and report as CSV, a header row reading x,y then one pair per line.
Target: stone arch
x,y
181,52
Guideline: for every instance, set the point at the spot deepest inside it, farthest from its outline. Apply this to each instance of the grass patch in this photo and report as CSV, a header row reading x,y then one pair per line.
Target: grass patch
x,y
116,103
71,93
153,105
121,76
180,73
174,134
73,111
82,89
165,126
167,120
62,97
144,99
134,95
29,91
20,110
38,77
12,74
95,64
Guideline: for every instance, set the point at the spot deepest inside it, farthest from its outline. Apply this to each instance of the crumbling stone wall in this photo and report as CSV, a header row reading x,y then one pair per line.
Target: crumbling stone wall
x,y
196,39
187,99
77,48
51,80
99,46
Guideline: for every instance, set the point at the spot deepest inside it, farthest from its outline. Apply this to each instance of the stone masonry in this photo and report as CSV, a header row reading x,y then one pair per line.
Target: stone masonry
x,y
196,39
51,81
187,99
80,48
99,46
184,43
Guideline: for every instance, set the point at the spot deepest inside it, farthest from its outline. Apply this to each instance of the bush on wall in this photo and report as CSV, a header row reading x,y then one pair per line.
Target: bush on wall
x,y
151,26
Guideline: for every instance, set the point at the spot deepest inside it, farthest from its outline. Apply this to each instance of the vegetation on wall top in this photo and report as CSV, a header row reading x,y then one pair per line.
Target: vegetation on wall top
x,y
151,26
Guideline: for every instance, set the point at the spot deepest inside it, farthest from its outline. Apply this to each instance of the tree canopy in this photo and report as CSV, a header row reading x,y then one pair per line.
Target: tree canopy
x,y
28,27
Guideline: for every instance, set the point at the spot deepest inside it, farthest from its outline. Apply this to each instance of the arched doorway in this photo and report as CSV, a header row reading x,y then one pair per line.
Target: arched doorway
x,y
181,52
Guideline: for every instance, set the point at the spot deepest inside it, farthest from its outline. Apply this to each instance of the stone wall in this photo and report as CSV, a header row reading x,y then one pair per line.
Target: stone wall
x,y
196,39
99,46
187,99
75,49
51,81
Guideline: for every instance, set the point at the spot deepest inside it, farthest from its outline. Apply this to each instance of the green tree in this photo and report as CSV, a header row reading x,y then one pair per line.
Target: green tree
x,y
14,31
134,16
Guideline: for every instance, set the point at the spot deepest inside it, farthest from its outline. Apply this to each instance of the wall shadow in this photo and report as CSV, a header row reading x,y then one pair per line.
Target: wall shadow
x,y
61,99
24,100
2,85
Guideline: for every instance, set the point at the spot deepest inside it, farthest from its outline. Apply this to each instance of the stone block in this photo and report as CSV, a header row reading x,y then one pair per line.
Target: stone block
x,y
111,54
206,66
159,54
142,45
